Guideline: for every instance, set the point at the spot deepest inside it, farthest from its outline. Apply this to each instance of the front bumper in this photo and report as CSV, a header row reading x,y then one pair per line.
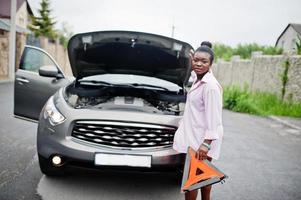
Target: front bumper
x,y
77,153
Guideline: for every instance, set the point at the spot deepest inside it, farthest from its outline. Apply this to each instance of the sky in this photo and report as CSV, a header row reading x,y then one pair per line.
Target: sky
x,y
230,22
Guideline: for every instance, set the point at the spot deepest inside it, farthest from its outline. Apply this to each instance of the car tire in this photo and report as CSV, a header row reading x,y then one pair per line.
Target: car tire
x,y
48,169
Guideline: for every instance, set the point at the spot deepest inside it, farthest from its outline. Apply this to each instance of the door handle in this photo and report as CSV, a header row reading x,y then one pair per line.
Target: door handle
x,y
23,80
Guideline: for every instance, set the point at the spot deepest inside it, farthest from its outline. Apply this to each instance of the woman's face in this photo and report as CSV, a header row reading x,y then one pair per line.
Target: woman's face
x,y
201,62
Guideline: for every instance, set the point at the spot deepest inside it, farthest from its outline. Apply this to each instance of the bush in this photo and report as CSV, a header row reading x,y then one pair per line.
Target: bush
x,y
239,100
259,103
226,52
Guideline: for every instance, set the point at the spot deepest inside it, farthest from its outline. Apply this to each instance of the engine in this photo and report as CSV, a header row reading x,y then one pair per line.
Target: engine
x,y
122,99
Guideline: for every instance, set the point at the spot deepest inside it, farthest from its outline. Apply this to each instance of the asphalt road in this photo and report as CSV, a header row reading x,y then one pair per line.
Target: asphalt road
x,y
19,171
261,157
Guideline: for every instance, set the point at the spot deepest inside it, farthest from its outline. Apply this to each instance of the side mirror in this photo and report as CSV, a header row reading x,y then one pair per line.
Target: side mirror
x,y
49,71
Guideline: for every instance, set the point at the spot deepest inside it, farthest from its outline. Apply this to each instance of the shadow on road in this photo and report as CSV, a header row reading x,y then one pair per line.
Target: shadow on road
x,y
111,185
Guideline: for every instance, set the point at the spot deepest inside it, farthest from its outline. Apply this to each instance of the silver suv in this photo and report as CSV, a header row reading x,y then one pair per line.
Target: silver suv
x,y
121,108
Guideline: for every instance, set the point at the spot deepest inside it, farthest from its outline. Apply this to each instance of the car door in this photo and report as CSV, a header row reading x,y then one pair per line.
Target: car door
x,y
31,90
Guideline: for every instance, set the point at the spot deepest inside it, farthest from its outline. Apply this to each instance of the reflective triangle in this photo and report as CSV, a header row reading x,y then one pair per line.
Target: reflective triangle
x,y
199,173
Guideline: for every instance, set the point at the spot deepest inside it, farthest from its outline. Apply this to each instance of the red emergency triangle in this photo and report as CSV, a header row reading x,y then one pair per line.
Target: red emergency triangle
x,y
199,173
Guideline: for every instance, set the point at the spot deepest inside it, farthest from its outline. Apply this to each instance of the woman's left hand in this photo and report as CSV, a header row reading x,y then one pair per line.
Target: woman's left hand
x,y
201,153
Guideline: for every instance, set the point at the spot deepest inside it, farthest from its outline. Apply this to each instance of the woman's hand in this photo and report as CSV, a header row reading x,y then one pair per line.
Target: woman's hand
x,y
201,153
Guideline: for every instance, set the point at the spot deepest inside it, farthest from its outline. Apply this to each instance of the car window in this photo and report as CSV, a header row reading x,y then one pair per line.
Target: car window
x,y
33,59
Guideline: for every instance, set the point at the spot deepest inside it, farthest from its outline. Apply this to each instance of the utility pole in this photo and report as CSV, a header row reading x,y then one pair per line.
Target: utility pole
x,y
12,40
172,31
173,27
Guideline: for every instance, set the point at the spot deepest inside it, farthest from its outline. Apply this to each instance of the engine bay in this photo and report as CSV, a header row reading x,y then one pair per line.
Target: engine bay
x,y
125,99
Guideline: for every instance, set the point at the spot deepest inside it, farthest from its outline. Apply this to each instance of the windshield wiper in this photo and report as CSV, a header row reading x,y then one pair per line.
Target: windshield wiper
x,y
147,85
96,82
135,85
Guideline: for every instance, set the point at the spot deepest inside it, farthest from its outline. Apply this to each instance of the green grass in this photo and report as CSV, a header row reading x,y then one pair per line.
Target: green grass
x,y
259,103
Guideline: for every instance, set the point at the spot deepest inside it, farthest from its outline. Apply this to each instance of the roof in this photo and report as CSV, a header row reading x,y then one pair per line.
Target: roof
x,y
29,10
5,25
5,8
296,27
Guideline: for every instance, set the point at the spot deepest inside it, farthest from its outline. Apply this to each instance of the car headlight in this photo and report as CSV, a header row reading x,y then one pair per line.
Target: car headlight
x,y
50,112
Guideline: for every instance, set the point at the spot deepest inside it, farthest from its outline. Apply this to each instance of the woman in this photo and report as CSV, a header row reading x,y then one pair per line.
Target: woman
x,y
201,126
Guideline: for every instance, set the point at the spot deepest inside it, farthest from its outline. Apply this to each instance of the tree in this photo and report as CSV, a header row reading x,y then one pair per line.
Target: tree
x,y
223,51
43,25
226,52
65,33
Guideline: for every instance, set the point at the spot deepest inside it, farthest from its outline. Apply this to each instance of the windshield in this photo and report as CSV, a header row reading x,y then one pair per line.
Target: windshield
x,y
116,79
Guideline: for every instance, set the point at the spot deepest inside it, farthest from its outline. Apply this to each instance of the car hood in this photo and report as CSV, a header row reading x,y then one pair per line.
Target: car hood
x,y
126,52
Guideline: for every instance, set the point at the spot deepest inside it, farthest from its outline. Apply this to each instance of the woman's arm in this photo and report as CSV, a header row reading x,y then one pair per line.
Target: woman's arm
x,y
213,108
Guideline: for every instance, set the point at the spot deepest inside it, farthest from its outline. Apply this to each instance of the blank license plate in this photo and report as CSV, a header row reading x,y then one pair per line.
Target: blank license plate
x,y
122,160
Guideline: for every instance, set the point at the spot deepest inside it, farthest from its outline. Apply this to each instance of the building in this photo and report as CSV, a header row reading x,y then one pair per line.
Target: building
x,y
288,38
22,20
22,15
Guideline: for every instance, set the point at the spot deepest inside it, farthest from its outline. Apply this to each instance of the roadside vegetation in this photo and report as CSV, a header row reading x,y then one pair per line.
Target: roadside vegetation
x,y
259,103
298,45
226,52
44,25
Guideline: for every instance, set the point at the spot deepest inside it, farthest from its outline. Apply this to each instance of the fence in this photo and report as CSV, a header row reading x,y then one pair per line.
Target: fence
x,y
262,73
4,49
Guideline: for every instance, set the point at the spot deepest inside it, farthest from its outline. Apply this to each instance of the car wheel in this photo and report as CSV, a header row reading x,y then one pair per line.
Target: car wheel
x,y
48,169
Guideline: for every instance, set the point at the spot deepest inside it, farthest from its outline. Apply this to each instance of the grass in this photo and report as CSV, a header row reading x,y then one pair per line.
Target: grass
x,y
259,103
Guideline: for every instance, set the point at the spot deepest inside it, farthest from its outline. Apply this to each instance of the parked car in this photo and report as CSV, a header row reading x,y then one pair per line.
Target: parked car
x,y
120,110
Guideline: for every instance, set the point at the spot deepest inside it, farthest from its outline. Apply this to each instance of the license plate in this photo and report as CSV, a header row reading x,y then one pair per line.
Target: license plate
x,y
122,160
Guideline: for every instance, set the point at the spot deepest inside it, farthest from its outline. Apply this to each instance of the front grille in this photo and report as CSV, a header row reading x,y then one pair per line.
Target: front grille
x,y
124,135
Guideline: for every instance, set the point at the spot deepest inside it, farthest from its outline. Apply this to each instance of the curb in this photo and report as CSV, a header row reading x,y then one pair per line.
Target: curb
x,y
284,122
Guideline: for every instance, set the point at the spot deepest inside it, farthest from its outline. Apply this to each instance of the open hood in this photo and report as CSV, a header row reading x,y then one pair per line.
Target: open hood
x,y
125,52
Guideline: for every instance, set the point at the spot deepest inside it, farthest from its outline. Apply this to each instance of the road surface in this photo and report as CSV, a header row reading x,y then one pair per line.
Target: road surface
x,y
261,157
